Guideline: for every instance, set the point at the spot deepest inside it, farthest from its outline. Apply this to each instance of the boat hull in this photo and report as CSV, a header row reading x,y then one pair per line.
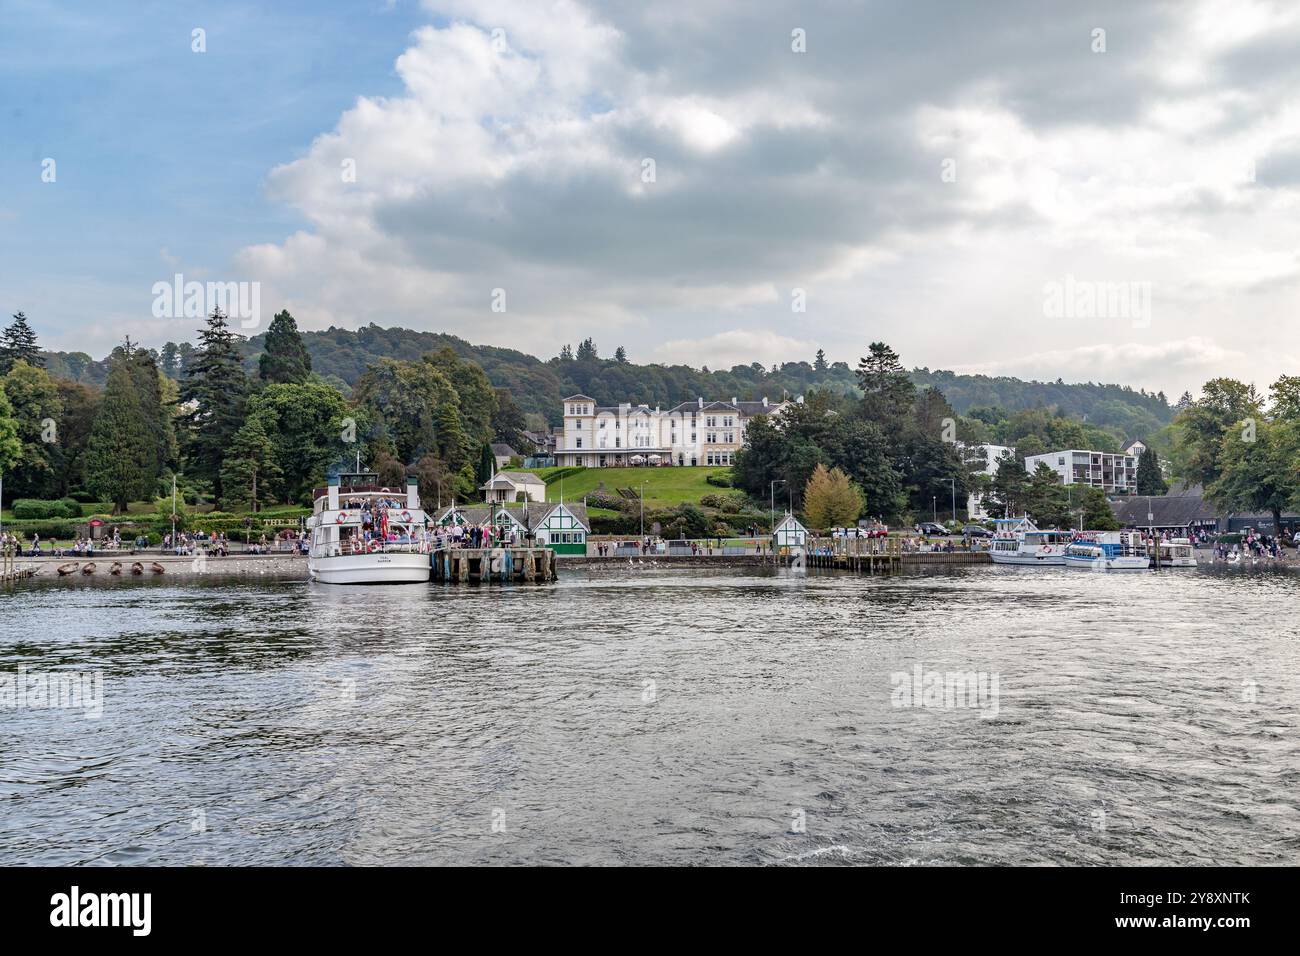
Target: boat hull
x,y
1016,557
371,569
1121,563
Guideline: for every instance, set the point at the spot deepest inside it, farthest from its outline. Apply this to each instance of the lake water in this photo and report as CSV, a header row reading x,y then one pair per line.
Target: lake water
x,y
643,715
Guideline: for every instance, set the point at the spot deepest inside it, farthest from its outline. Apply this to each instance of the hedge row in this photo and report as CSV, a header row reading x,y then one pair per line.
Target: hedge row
x,y
35,509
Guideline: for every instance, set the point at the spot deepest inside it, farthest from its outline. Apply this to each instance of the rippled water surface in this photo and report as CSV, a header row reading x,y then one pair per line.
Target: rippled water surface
x,y
647,715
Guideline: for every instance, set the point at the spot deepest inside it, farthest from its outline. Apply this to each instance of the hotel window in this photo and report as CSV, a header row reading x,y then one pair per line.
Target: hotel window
x,y
578,441
692,438
731,438
710,438
727,422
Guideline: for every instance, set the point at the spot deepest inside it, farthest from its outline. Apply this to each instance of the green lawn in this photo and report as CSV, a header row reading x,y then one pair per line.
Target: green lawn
x,y
664,487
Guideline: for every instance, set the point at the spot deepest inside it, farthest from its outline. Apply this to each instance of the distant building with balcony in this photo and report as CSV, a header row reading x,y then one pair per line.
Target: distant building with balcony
x,y
1113,474
690,434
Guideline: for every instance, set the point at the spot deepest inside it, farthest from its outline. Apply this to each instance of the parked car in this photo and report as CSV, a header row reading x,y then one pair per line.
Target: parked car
x,y
931,528
976,531
874,530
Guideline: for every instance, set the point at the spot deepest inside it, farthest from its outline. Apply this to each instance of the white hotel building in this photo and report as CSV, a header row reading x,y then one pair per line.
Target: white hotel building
x,y
1114,474
692,433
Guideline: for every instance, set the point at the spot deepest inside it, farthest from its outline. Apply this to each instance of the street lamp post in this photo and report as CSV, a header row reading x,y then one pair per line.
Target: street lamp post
x,y
934,508
772,496
953,482
643,484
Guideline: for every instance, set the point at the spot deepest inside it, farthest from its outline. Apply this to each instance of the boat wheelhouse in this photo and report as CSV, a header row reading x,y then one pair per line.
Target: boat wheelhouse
x,y
1108,551
362,533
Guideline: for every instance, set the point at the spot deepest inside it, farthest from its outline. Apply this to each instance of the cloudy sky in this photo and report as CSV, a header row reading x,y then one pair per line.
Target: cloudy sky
x,y
713,182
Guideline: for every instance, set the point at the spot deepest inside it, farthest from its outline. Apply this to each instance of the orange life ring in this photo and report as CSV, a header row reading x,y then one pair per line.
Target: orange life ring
x,y
342,517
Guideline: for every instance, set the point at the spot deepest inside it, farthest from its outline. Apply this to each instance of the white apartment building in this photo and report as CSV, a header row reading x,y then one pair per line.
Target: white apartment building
x,y
689,434
1114,474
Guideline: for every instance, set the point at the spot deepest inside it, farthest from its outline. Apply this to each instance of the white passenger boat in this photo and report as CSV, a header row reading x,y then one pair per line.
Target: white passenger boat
x,y
364,534
1176,553
1042,548
1108,551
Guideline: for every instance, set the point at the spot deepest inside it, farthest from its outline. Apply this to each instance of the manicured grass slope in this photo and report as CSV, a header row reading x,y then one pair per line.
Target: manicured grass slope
x,y
664,487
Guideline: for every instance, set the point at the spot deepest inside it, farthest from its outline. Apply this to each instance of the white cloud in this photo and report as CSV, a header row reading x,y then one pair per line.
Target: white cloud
x,y
513,159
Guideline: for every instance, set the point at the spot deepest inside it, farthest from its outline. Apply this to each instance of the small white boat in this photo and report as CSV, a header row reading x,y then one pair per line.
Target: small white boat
x,y
1175,553
1041,548
1108,551
364,534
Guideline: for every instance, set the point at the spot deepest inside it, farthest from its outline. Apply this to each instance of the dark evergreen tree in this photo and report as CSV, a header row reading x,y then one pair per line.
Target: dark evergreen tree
x,y
819,364
620,355
587,351
170,360
284,357
214,390
18,342
1150,480
121,450
887,389
487,463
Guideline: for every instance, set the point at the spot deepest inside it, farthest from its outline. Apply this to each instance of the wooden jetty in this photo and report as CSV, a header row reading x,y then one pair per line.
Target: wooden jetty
x,y
869,555
9,569
487,565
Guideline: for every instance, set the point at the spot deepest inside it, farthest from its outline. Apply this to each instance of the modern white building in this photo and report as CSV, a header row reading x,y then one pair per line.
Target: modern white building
x,y
689,434
993,455
1114,474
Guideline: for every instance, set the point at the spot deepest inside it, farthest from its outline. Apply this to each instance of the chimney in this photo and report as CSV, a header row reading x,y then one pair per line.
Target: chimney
x,y
412,493
765,401
733,399
333,491
701,401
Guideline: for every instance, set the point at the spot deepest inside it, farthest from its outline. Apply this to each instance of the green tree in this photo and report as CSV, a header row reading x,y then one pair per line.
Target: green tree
x,y
303,422
819,363
250,467
80,406
121,450
887,389
486,463
11,446
1259,468
1008,494
284,357
1048,501
214,389
830,500
1203,425
36,408
18,344
1150,480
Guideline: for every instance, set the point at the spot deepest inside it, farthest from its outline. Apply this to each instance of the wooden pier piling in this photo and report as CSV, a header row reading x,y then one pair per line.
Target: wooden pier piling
x,y
485,565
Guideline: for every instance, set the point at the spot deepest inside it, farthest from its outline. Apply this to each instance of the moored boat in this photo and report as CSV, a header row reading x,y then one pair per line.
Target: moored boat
x,y
1108,551
88,567
364,534
137,567
1175,553
1043,548
69,568
156,568
116,568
